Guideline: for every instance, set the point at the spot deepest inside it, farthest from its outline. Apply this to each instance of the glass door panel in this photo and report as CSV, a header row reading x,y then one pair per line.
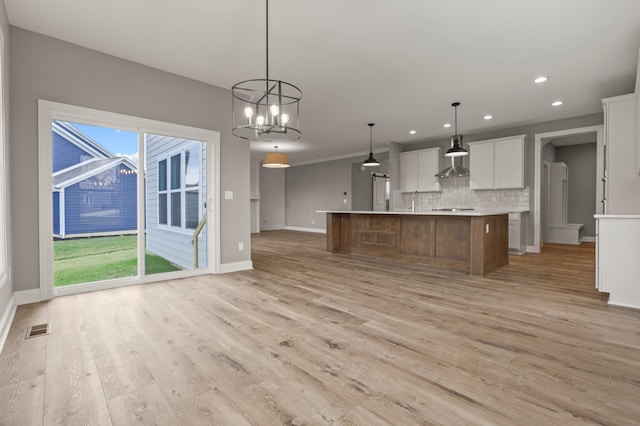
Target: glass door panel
x,y
94,203
175,204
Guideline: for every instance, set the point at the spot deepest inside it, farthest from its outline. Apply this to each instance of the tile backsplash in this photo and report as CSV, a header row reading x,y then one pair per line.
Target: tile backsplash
x,y
456,193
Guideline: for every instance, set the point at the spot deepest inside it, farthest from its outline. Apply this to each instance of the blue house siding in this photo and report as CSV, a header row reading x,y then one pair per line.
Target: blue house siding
x,y
106,202
56,213
66,154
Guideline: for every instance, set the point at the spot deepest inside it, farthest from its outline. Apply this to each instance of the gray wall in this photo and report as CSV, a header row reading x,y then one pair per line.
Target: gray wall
x,y
362,184
271,198
581,160
46,68
319,186
7,290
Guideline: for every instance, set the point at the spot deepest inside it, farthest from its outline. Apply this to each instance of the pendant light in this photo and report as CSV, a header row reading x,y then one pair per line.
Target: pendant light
x,y
264,109
456,149
371,162
275,160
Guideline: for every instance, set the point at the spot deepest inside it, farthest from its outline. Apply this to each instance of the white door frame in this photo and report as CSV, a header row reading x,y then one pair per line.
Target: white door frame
x,y
48,111
540,140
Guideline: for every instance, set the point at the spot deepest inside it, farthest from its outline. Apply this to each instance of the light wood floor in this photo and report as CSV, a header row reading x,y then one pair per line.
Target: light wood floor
x,y
313,338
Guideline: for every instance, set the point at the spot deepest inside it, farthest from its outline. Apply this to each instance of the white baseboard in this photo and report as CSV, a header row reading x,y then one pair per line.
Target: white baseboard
x,y
623,304
532,249
7,320
25,297
296,228
589,239
236,267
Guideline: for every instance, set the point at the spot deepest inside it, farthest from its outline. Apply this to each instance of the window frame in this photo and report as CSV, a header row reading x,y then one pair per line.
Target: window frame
x,y
182,189
4,175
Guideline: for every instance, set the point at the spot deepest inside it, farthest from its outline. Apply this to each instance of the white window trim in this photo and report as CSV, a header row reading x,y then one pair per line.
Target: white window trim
x,y
48,111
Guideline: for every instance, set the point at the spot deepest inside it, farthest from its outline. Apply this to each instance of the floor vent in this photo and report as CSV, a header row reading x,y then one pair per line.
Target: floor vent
x,y
38,330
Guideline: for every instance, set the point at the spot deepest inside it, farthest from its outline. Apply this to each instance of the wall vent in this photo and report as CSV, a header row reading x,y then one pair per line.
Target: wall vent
x,y
38,330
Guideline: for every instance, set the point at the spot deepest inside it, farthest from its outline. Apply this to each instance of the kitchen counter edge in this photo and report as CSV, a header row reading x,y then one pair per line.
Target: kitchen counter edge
x,y
423,213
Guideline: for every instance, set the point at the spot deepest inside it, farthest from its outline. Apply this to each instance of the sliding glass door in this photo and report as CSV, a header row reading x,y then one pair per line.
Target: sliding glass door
x,y
123,200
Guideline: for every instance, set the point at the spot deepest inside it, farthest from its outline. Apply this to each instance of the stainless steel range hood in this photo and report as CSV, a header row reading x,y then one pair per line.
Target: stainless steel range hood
x,y
455,170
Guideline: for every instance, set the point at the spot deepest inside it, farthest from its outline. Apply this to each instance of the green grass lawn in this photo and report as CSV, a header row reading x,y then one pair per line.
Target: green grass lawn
x,y
95,259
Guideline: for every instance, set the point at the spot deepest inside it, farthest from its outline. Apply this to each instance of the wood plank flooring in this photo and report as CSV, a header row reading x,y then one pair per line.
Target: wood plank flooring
x,y
310,337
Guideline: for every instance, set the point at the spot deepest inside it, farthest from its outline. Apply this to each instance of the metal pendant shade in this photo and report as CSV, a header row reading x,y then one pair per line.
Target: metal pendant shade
x,y
456,149
371,161
265,109
275,160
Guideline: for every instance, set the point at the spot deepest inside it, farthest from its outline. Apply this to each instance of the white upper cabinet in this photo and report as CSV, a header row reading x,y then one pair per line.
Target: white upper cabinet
x,y
497,163
418,169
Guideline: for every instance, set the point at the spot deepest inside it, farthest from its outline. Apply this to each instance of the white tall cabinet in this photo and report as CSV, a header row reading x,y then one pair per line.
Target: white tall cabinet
x,y
618,230
560,231
497,163
558,193
418,169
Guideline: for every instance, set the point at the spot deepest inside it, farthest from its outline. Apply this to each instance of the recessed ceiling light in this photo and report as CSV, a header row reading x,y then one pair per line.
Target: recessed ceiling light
x,y
557,103
447,125
412,132
541,79
488,117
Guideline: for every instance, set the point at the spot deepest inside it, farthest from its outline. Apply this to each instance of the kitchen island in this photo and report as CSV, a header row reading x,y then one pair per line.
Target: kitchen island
x,y
475,242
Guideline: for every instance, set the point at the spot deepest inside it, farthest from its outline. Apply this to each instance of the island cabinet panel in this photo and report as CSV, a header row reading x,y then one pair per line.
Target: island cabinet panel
x,y
472,244
416,236
374,234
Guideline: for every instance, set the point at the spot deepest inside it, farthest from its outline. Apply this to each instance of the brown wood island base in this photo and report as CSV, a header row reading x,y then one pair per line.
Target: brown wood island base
x,y
476,244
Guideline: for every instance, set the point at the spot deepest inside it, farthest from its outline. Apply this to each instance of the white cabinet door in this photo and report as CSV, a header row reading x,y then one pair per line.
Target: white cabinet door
x,y
481,165
514,234
497,163
428,166
408,171
418,169
509,164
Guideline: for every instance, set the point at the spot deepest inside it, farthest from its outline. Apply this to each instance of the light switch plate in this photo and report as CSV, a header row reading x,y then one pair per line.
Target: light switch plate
x,y
228,195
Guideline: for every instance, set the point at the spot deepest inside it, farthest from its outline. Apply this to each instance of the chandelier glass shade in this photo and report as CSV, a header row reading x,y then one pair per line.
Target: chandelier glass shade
x,y
456,149
371,161
264,109
275,160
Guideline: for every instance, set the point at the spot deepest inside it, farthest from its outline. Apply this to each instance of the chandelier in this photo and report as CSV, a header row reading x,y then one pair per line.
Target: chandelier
x,y
264,109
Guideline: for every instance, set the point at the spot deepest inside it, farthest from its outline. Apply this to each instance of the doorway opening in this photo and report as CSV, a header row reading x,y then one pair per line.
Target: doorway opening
x,y
544,144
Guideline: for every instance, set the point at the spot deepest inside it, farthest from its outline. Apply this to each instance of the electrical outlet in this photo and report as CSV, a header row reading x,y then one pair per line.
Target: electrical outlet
x,y
313,222
240,246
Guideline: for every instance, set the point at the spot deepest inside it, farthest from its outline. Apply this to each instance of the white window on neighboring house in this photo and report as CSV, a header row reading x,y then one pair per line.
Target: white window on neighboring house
x,y
179,205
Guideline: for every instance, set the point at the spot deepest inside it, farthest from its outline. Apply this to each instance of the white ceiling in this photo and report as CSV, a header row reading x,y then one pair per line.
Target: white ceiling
x,y
397,63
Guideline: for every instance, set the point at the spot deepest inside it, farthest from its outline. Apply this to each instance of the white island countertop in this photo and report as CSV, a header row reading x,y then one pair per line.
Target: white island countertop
x,y
425,213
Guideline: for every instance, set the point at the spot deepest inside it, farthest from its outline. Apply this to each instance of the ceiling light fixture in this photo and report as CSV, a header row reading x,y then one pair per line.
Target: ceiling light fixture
x,y
412,132
556,103
371,162
541,79
456,149
488,117
275,160
264,109
447,125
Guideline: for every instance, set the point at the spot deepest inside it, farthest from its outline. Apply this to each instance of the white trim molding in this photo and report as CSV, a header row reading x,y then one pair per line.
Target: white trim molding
x,y
246,265
7,320
301,229
26,297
